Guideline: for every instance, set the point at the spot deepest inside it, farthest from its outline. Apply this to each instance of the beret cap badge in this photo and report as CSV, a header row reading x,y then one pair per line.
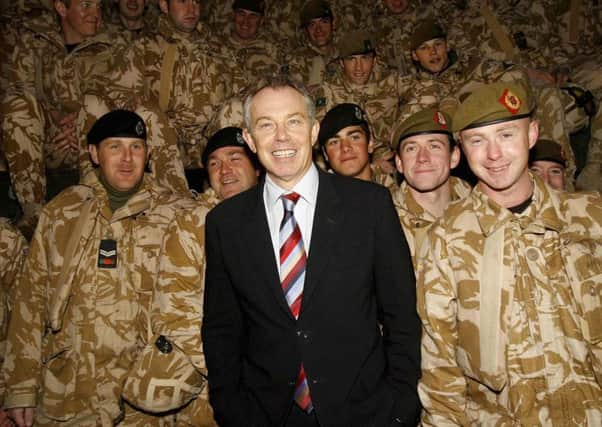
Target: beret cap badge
x,y
510,101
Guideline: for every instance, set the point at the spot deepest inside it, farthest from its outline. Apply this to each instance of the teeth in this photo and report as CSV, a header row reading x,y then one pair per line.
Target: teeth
x,y
283,153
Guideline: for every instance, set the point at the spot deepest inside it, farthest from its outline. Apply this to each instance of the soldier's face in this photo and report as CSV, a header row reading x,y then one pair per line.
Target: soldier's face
x,y
80,20
184,14
230,171
432,55
246,24
121,161
282,134
498,155
131,9
551,172
348,152
358,68
319,32
396,6
426,161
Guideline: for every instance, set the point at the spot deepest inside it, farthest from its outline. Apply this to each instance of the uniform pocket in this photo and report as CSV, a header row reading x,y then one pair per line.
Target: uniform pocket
x,y
59,400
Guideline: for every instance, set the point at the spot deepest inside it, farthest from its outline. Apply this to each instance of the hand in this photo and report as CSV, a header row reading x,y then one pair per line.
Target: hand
x,y
66,138
384,164
23,417
5,421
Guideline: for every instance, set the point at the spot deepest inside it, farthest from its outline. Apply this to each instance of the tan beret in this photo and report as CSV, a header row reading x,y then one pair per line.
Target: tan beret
x,y
493,103
549,150
315,9
356,43
426,30
427,121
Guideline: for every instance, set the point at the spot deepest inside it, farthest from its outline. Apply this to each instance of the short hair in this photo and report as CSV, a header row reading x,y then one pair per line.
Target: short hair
x,y
278,81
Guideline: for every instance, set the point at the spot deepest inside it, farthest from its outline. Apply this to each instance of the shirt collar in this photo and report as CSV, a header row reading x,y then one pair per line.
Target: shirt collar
x,y
307,188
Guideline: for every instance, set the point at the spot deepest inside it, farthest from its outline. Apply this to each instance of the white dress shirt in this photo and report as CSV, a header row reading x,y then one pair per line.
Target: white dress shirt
x,y
304,210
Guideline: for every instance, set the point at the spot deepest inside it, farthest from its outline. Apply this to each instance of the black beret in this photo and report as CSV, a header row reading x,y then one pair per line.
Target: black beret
x,y
226,137
117,124
340,117
257,6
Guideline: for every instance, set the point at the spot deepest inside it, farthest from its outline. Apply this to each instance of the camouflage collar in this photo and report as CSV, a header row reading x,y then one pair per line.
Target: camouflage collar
x,y
166,29
541,215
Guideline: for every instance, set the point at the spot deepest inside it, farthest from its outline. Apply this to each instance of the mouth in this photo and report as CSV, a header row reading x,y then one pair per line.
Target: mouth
x,y
228,181
497,169
284,154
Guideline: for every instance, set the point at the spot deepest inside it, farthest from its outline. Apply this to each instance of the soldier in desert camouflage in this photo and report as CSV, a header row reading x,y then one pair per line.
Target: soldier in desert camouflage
x,y
13,249
54,63
83,338
509,285
346,143
546,159
425,154
129,18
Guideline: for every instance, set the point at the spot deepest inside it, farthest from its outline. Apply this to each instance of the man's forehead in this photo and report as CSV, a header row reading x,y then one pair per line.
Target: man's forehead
x,y
268,102
227,151
428,137
496,128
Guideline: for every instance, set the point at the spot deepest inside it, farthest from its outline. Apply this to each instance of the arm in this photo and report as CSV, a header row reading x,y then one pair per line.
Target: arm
x,y
396,293
442,388
223,333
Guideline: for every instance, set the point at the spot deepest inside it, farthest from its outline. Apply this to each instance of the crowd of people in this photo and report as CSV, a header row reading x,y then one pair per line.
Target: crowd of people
x,y
301,213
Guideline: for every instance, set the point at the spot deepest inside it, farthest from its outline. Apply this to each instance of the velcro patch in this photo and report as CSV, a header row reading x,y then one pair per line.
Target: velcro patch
x,y
107,254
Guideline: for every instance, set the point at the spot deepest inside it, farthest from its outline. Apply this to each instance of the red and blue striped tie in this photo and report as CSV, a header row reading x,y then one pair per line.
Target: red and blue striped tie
x,y
292,277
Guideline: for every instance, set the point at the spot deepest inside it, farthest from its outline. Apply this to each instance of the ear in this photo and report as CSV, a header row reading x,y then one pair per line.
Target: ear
x,y
325,154
398,163
164,7
370,146
454,159
246,135
93,150
341,63
315,129
414,56
60,8
533,133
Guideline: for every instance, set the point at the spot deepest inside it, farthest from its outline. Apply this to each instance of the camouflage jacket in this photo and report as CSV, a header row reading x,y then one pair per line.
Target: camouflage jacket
x,y
193,86
13,249
511,308
415,220
77,327
312,67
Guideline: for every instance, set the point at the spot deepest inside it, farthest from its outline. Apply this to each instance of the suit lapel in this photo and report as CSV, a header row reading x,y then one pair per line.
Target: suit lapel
x,y
258,244
327,218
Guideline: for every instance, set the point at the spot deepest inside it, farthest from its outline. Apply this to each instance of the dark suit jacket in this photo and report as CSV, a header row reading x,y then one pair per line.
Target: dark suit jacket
x,y
359,276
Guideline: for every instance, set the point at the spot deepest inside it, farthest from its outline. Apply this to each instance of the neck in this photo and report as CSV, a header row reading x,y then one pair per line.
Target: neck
x,y
118,198
365,174
513,196
435,201
71,37
131,24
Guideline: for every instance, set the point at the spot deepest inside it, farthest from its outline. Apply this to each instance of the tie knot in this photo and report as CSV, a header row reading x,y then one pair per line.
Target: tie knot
x,y
290,200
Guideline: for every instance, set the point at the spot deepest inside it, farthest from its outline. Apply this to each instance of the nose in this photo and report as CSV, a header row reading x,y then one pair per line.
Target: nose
x,y
225,168
190,4
493,150
281,132
423,155
345,145
127,154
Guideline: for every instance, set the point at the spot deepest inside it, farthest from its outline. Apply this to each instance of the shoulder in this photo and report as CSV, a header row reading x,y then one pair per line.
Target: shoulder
x,y
236,208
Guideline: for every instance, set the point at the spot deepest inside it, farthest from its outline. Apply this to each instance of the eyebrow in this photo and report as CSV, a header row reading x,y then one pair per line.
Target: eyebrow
x,y
298,113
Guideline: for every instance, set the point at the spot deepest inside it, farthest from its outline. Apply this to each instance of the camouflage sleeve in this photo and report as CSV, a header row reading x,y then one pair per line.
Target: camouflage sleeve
x,y
21,71
13,249
22,365
442,388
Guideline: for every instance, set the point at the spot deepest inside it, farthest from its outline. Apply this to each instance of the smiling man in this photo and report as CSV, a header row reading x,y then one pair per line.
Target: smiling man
x,y
509,284
82,307
302,272
425,154
231,166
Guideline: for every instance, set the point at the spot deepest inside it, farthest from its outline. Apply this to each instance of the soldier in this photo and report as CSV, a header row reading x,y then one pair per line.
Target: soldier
x,y
425,154
82,335
53,65
362,81
13,249
231,166
129,18
509,284
547,161
346,143
254,54
315,60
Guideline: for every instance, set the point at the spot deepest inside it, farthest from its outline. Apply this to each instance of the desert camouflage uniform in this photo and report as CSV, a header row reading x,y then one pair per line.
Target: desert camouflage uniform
x,y
13,249
230,113
77,329
511,308
310,66
199,82
181,284
113,24
46,81
395,31
415,220
382,98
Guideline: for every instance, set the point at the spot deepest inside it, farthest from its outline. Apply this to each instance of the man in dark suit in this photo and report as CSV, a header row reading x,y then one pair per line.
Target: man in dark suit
x,y
309,316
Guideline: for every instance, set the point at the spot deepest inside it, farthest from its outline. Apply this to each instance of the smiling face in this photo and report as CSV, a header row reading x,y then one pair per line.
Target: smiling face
x,y
131,9
81,19
551,172
230,171
432,55
246,24
498,155
121,161
396,7
282,134
426,161
358,68
348,152
319,32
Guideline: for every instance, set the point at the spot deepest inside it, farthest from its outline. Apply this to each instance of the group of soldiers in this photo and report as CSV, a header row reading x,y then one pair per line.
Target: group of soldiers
x,y
134,111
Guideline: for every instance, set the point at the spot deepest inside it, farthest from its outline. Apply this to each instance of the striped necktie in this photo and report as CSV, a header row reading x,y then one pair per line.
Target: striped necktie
x,y
292,277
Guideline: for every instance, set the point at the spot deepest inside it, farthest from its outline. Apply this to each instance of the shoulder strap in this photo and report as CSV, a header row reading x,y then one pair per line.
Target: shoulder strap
x,y
169,60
